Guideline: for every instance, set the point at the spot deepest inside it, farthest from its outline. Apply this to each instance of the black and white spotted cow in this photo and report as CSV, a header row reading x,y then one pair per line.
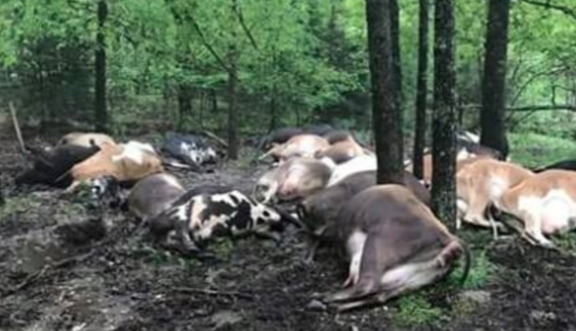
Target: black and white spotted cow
x,y
192,150
231,214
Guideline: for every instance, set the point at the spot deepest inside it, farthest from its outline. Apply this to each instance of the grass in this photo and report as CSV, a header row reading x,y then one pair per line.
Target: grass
x,y
415,309
17,205
533,150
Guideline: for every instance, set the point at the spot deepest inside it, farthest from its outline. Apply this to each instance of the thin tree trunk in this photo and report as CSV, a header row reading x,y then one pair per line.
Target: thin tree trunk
x,y
492,115
184,103
444,118
101,113
387,118
422,91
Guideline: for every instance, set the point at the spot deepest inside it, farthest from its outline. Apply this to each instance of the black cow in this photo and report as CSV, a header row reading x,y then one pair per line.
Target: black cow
x,y
562,165
50,167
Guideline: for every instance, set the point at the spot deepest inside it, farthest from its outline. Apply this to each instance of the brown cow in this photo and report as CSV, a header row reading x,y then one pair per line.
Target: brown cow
x,y
545,202
126,163
482,183
85,139
325,206
395,244
154,194
304,145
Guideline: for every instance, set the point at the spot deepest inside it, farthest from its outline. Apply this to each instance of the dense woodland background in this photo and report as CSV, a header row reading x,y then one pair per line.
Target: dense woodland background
x,y
179,64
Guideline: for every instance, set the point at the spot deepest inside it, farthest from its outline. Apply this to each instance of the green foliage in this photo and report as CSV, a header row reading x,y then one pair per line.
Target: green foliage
x,y
298,61
534,150
481,272
415,310
17,205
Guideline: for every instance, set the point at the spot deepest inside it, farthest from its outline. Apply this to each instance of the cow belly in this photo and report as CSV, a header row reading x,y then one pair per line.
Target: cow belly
x,y
556,213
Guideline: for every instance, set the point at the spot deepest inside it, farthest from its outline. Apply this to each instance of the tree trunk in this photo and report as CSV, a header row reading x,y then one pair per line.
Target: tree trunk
x,y
422,91
444,118
396,58
492,115
101,113
387,118
184,103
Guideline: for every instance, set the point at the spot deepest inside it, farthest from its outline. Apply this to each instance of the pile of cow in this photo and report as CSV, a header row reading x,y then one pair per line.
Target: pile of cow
x,y
323,182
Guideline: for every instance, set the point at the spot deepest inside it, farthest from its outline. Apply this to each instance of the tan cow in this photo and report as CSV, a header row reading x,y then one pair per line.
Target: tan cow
x,y
304,145
395,244
85,139
545,202
482,183
126,163
342,150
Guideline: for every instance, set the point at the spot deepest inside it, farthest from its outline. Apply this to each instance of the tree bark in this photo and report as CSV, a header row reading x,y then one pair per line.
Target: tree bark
x,y
184,103
101,112
396,50
492,115
386,113
422,91
444,117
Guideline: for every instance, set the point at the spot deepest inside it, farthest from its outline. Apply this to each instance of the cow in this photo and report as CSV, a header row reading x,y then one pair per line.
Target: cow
x,y
480,184
128,162
85,139
322,207
322,129
394,244
192,150
295,178
357,164
304,145
545,202
342,149
152,195
560,165
231,214
280,136
162,223
51,166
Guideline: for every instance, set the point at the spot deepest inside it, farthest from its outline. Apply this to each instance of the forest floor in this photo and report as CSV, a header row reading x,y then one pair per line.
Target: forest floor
x,y
52,280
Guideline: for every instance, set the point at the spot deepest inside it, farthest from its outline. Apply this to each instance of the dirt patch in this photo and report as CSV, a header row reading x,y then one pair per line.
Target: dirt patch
x,y
119,282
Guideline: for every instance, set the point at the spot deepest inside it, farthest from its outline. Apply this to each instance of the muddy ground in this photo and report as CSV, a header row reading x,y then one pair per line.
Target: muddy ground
x,y
54,276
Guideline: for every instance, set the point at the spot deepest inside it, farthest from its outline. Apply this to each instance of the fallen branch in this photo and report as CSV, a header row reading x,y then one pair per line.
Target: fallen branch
x,y
215,137
205,291
31,278
17,128
542,108
563,9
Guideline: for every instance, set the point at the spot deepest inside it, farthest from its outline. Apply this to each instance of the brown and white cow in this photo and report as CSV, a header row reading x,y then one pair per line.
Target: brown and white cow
x,y
394,243
126,163
302,145
481,184
295,178
85,139
342,150
545,202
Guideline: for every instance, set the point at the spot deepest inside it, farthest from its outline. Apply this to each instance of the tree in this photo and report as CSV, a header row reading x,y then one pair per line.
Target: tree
x,y
386,113
421,90
493,112
444,115
100,69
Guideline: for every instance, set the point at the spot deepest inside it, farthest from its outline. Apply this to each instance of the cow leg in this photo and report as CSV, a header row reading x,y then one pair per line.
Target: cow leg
x,y
377,256
408,277
355,247
533,226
